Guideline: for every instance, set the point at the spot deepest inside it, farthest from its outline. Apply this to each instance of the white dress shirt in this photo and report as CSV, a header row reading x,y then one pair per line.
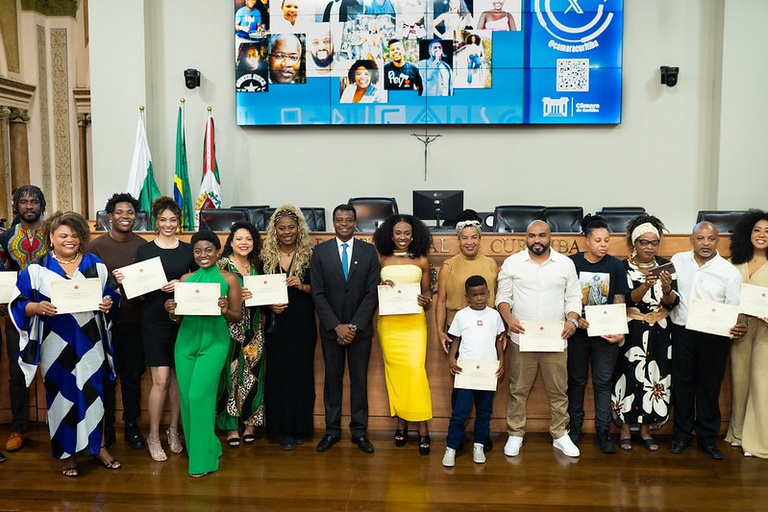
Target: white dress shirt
x,y
349,249
716,281
546,291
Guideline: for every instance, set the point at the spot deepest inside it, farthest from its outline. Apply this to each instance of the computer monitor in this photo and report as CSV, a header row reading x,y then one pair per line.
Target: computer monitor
x,y
442,206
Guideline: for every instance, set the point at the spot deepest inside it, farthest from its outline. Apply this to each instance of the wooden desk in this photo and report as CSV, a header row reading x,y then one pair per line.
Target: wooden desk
x,y
444,245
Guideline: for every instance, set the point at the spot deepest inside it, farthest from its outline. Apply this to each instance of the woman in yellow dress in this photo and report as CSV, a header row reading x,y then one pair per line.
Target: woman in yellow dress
x,y
402,242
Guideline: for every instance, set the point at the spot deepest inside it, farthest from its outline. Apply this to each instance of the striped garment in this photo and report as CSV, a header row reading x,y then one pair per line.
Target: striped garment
x,y
73,351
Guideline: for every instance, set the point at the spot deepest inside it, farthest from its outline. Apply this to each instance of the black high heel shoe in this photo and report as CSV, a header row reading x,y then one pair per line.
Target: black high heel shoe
x,y
401,437
424,445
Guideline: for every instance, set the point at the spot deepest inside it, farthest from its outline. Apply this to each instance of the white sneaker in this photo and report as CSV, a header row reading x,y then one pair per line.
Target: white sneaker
x,y
478,453
565,445
512,448
746,454
735,444
449,459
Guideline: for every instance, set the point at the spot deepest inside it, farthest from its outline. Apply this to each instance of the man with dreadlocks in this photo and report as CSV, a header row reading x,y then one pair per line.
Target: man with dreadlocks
x,y
19,245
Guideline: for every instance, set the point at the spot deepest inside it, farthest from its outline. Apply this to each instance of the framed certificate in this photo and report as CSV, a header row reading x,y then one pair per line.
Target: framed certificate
x,y
199,299
76,295
542,336
754,300
266,289
606,319
476,374
143,277
712,317
7,285
401,299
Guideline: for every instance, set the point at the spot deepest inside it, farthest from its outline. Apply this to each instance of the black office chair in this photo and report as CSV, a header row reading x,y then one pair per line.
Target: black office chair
x,y
617,220
637,210
515,218
565,219
315,218
371,211
256,215
724,220
221,219
104,224
142,221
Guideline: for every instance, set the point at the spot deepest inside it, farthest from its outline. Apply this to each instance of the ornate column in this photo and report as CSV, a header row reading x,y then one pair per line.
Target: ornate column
x,y
19,147
5,164
83,127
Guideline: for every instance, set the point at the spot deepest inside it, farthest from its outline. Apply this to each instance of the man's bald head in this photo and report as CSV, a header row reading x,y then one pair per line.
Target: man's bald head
x,y
538,237
704,240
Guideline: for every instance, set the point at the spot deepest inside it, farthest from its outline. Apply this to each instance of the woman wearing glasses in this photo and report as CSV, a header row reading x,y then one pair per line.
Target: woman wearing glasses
x,y
641,389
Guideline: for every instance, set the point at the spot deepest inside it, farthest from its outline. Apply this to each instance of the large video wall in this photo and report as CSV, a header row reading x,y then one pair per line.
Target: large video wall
x,y
358,62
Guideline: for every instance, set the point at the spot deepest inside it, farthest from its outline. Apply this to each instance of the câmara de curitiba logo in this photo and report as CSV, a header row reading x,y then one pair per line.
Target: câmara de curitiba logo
x,y
574,24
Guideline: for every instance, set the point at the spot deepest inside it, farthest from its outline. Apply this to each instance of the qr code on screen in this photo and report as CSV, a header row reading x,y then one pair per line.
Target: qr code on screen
x,y
573,75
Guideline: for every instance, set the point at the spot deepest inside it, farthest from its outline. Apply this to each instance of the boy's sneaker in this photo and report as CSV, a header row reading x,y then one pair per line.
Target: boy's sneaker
x,y
478,453
449,459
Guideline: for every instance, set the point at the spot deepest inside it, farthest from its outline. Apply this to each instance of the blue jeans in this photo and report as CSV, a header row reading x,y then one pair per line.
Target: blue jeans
x,y
461,409
603,355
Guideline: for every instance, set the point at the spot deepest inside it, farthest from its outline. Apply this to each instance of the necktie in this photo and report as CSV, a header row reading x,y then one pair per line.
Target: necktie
x,y
344,260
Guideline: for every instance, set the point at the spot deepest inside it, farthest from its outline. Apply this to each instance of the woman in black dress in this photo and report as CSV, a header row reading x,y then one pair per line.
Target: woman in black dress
x,y
641,390
290,331
158,330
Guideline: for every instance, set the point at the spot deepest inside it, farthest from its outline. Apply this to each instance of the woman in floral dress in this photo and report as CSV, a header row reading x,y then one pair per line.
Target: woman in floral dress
x,y
641,391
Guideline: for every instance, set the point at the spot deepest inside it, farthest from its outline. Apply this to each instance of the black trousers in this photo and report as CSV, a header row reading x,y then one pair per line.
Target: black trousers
x,y
603,356
129,365
16,384
698,367
336,357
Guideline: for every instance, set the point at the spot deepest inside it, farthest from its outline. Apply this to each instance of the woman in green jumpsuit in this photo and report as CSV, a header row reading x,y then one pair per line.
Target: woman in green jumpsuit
x,y
201,352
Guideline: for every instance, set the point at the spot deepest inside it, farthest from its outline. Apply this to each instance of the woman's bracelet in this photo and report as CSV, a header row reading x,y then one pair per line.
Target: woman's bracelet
x,y
173,318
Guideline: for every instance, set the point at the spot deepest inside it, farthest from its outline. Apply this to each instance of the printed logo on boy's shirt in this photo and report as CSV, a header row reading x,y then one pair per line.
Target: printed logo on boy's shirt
x,y
479,323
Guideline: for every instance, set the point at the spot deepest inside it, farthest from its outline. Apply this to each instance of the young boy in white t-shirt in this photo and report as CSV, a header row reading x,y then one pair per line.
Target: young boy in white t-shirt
x,y
478,330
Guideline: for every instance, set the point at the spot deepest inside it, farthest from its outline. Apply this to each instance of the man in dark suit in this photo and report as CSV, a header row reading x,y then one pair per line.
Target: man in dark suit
x,y
344,274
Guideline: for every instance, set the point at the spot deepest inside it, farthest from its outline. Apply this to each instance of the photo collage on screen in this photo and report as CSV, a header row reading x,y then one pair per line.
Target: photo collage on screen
x,y
381,61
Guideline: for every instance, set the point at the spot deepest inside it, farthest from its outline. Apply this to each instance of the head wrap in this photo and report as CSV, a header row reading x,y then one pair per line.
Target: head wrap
x,y
468,224
645,227
286,213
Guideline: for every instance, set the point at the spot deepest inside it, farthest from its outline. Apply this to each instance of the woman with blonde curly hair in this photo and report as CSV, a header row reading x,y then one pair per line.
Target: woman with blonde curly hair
x,y
290,331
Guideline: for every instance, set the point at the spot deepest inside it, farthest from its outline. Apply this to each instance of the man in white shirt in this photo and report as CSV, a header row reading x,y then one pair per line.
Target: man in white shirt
x,y
538,284
698,358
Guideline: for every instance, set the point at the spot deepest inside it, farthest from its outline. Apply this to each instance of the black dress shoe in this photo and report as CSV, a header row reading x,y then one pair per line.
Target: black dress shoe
x,y
287,442
604,442
677,447
3,458
364,444
712,451
327,442
133,436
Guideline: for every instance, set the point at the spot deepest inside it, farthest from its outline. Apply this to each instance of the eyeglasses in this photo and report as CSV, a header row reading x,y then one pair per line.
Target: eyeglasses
x,y
646,243
290,58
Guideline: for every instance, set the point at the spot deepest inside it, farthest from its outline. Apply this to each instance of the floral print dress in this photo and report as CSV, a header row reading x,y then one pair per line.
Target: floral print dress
x,y
643,375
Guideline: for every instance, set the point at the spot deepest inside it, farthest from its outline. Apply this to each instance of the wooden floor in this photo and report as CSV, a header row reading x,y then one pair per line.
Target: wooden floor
x,y
263,477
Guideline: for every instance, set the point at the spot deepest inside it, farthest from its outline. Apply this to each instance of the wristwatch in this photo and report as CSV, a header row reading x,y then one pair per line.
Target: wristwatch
x,y
574,322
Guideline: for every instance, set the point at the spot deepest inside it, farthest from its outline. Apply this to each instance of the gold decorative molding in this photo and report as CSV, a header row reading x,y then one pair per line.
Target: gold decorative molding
x,y
82,99
60,97
9,32
5,112
19,115
15,94
83,120
45,134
